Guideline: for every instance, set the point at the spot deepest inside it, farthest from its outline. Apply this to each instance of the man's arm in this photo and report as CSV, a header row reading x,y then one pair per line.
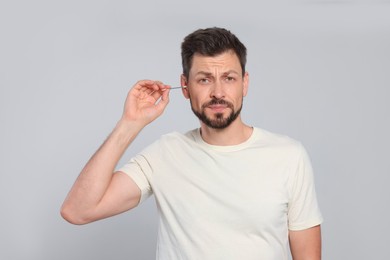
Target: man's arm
x,y
306,244
97,192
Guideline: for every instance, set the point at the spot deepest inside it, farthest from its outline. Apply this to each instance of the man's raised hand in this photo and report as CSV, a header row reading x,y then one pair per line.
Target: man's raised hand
x,y
145,102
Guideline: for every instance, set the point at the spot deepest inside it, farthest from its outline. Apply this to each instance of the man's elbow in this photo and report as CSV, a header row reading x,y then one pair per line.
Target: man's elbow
x,y
72,216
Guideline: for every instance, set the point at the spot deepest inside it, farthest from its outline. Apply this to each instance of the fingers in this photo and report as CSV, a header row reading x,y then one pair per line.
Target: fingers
x,y
146,101
150,86
163,93
164,98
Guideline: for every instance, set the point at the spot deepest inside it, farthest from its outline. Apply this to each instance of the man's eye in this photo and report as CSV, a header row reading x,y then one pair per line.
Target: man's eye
x,y
204,80
230,78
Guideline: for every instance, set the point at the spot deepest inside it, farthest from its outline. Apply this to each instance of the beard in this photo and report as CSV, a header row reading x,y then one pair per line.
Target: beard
x,y
219,122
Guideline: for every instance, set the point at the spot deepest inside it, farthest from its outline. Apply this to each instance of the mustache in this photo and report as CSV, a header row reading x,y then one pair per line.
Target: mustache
x,y
215,101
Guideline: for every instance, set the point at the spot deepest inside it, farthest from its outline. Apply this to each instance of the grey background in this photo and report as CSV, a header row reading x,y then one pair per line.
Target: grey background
x,y
319,72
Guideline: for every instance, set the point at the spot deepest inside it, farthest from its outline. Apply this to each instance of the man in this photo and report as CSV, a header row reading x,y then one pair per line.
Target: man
x,y
224,191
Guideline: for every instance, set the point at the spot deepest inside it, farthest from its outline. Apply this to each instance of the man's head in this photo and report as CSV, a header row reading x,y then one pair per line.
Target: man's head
x,y
210,42
214,72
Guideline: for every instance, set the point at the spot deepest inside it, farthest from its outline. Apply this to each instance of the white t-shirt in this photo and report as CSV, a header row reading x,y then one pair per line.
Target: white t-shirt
x,y
226,202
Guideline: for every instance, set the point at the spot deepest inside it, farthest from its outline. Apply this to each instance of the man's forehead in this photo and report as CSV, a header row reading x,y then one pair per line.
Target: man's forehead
x,y
227,61
223,55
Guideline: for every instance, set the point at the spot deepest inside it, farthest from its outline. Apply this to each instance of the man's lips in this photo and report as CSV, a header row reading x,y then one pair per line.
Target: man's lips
x,y
217,107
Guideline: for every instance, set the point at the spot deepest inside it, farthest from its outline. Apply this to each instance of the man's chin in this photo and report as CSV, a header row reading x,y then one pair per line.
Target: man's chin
x,y
217,122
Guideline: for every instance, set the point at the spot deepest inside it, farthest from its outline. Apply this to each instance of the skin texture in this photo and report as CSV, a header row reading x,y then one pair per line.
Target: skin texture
x,y
216,88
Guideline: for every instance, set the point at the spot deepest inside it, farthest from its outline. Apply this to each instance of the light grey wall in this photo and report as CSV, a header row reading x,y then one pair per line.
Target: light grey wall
x,y
319,72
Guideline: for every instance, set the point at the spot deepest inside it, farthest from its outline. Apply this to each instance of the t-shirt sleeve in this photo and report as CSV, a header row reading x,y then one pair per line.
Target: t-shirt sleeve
x,y
138,168
303,210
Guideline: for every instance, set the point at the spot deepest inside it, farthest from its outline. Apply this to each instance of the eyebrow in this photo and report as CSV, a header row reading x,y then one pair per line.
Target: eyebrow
x,y
206,73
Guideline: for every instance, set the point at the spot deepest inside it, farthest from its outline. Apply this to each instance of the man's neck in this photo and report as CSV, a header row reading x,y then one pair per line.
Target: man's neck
x,y
236,133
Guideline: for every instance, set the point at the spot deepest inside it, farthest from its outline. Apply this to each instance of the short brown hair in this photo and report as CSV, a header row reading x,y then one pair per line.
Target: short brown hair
x,y
211,42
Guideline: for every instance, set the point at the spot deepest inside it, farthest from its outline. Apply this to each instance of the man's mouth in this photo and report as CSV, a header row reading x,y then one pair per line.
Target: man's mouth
x,y
218,105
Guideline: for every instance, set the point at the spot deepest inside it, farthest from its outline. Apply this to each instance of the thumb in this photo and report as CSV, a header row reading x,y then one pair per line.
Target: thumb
x,y
162,104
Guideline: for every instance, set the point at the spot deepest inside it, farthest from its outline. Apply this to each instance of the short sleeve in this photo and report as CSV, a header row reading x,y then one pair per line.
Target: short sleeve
x,y
137,168
303,209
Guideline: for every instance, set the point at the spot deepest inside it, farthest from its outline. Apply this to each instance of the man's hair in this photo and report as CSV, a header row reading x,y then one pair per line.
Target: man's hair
x,y
211,42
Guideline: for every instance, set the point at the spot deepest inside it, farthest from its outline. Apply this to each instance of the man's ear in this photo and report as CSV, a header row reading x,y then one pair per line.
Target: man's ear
x,y
245,84
184,87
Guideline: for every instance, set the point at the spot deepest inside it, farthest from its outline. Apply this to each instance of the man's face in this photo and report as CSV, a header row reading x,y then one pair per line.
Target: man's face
x,y
216,88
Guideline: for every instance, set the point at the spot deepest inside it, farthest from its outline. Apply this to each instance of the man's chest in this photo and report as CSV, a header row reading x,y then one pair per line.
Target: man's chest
x,y
245,194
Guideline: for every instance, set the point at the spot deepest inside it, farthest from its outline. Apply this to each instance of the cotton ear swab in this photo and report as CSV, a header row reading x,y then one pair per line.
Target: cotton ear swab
x,y
178,87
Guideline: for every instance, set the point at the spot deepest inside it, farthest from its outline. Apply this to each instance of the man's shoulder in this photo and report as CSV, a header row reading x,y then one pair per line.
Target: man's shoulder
x,y
273,139
175,136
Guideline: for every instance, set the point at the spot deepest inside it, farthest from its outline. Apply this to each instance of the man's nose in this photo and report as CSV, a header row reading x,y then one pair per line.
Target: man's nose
x,y
217,90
